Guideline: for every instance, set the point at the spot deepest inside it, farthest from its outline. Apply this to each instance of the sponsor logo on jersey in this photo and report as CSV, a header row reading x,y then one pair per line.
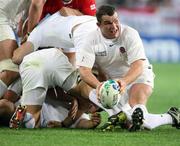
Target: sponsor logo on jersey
x,y
103,53
93,7
83,59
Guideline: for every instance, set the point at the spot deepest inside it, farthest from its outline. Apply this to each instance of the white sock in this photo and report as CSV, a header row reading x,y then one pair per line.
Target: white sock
x,y
93,98
29,121
142,106
154,120
3,88
128,111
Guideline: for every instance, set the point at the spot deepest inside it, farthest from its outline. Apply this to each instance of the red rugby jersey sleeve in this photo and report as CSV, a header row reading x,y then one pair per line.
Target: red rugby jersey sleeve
x,y
51,6
88,7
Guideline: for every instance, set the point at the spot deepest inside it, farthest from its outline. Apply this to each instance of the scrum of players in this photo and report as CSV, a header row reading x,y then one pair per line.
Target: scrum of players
x,y
54,67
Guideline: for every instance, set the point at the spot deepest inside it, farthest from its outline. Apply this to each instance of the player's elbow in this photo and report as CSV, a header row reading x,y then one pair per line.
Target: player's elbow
x,y
37,3
16,58
84,71
138,65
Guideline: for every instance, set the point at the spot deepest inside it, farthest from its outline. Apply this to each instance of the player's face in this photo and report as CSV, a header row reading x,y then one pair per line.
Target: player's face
x,y
92,108
110,26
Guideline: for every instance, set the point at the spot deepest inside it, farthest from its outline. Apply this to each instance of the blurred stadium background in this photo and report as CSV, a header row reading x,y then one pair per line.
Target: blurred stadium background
x,y
158,22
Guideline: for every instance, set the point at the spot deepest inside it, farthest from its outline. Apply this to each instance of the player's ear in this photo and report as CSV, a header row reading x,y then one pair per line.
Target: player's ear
x,y
98,24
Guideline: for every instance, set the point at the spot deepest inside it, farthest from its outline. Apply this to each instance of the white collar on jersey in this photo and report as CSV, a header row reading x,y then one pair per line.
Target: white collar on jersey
x,y
67,1
108,41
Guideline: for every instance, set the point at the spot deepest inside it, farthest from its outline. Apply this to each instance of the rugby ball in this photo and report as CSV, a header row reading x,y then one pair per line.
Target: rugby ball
x,y
109,94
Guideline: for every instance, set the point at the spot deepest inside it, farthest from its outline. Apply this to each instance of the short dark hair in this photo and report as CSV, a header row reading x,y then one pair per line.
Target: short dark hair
x,y
104,10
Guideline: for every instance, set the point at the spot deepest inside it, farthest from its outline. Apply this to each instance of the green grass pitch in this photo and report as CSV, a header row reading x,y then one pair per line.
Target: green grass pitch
x,y
166,94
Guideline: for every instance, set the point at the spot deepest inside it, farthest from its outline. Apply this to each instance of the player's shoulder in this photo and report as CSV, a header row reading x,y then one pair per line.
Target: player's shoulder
x,y
93,34
128,31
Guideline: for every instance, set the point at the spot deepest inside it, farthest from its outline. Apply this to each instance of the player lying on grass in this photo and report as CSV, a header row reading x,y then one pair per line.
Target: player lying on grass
x,y
57,111
49,68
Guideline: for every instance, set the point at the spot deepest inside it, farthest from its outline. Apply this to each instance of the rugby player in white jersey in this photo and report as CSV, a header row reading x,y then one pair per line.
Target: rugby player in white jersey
x,y
43,69
118,51
9,10
56,31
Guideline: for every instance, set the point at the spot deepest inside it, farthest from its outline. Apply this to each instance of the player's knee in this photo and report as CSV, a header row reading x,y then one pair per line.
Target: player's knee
x,y
147,91
16,59
11,96
6,106
9,76
139,94
141,90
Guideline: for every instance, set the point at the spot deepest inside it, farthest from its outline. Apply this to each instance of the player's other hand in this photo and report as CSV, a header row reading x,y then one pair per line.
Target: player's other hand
x,y
122,85
95,119
97,91
74,108
24,39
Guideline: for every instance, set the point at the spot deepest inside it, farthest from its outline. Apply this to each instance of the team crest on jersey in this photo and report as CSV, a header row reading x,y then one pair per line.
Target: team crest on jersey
x,y
122,50
123,53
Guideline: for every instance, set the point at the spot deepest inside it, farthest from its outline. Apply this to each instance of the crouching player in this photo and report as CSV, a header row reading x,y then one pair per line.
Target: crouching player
x,y
41,70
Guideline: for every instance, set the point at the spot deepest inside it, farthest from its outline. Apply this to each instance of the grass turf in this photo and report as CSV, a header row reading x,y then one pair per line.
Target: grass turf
x,y
166,94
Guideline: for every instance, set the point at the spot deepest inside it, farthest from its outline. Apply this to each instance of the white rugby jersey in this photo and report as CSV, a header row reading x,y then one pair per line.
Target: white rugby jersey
x,y
113,56
57,31
9,9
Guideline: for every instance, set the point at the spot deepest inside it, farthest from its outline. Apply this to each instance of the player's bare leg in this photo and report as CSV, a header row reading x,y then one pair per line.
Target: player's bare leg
x,y
8,70
82,89
6,108
35,111
22,51
139,94
71,57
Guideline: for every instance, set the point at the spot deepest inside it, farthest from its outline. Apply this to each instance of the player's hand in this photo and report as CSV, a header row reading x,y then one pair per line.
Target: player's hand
x,y
122,85
24,39
95,119
97,91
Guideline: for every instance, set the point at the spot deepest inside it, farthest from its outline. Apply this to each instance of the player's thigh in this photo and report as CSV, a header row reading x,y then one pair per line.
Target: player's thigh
x,y
140,90
143,85
139,93
6,48
7,42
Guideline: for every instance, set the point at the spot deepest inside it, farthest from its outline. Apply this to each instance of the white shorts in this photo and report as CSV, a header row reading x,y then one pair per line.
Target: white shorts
x,y
43,69
56,31
147,78
16,86
6,32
